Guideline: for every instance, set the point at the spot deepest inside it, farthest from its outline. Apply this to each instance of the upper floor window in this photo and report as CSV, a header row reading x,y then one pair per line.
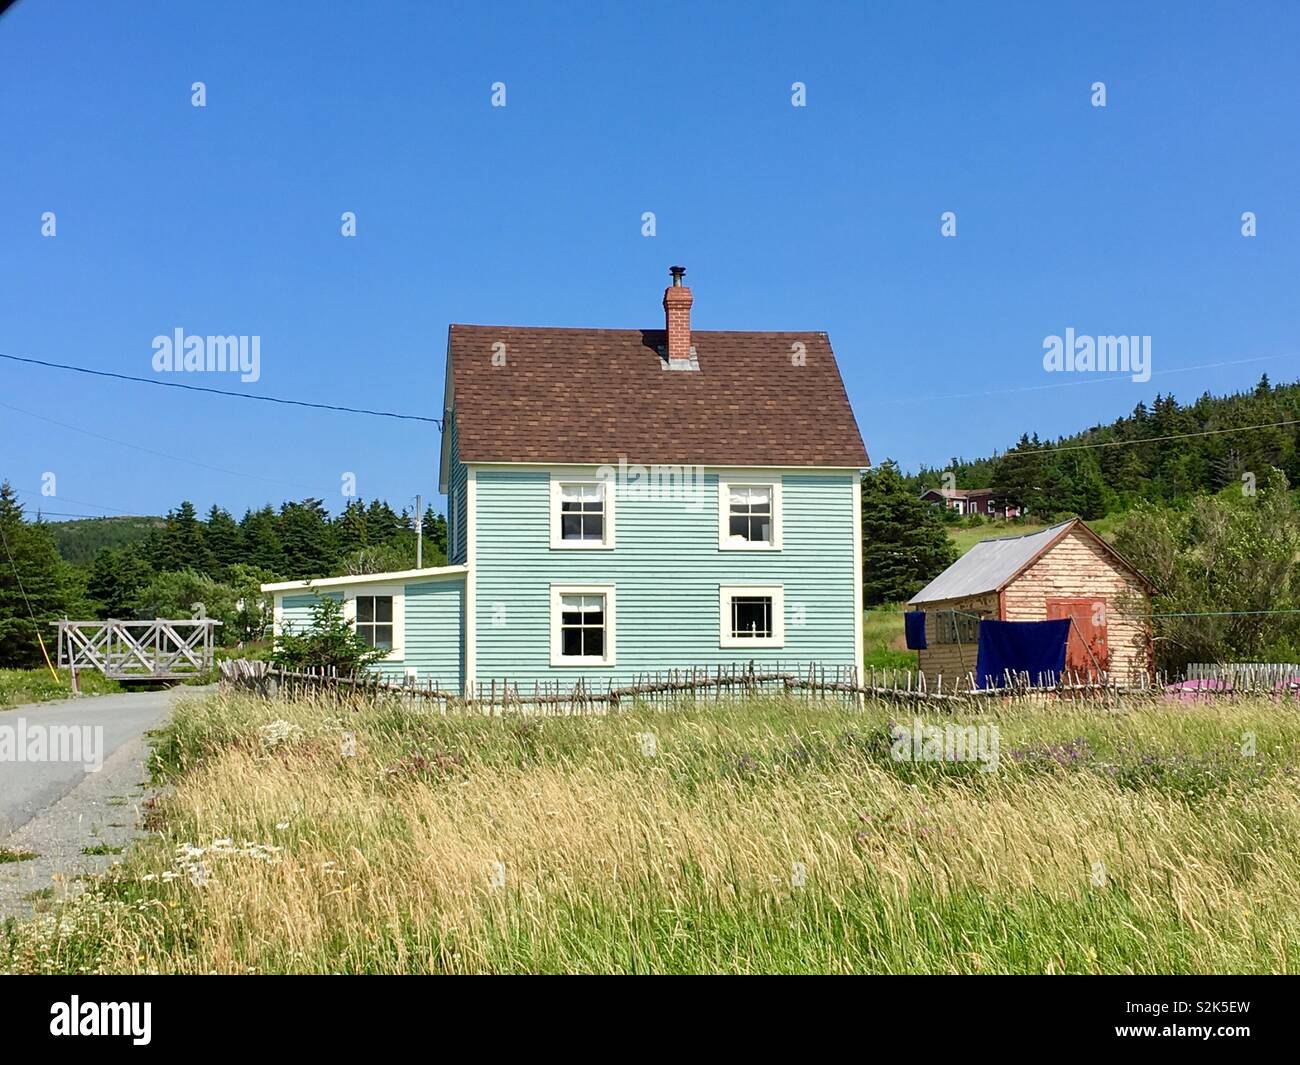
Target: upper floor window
x,y
749,513
582,512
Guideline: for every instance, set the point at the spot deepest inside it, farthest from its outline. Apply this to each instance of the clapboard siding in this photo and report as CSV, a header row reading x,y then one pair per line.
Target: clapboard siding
x,y
295,610
666,570
949,662
1077,567
434,622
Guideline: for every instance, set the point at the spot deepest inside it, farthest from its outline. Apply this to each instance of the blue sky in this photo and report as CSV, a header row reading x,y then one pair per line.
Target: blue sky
x,y
225,219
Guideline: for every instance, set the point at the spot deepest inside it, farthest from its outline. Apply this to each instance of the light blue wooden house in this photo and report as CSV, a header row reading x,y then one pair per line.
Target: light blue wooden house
x,y
628,501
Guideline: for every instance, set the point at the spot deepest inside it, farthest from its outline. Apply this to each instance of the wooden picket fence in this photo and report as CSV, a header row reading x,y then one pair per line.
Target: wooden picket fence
x,y
1246,676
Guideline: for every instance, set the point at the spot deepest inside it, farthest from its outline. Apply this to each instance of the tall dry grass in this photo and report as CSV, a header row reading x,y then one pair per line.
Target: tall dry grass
x,y
760,836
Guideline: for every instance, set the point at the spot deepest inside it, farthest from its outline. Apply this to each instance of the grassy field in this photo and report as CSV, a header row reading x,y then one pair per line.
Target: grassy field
x,y
768,836
966,537
20,686
883,641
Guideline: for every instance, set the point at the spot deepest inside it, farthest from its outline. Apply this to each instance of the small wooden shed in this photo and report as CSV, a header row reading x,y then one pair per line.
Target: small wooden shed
x,y
1066,571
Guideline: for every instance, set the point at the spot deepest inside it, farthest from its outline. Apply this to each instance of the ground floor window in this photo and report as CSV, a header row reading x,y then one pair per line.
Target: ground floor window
x,y
582,625
375,620
751,616
376,613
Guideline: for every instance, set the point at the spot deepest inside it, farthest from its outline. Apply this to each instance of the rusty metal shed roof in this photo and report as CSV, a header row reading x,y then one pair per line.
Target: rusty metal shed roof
x,y
988,565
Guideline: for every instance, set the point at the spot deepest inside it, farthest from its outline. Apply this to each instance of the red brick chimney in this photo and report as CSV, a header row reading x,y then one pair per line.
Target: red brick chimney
x,y
677,312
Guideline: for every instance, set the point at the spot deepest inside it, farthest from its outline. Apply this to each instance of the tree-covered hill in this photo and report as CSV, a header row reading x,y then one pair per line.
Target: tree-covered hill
x,y
81,539
1163,453
173,566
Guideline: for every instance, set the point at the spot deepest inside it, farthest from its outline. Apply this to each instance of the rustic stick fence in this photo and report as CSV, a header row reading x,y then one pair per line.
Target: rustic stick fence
x,y
715,683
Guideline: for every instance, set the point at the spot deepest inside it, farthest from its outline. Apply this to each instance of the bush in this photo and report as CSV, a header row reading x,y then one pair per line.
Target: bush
x,y
330,643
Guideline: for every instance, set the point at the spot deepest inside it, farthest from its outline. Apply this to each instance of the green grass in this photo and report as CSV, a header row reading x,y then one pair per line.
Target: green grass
x,y
100,848
768,835
883,641
966,537
21,686
6,856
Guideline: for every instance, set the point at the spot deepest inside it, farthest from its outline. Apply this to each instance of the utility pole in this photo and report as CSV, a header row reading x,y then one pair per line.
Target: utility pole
x,y
419,534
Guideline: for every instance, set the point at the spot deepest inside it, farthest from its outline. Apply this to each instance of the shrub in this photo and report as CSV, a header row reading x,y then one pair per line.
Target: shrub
x,y
330,643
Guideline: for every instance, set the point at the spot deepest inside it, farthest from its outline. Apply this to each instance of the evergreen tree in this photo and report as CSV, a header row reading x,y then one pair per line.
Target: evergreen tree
x,y
904,543
1018,475
308,539
382,523
262,546
351,529
435,535
32,582
224,541
181,544
118,576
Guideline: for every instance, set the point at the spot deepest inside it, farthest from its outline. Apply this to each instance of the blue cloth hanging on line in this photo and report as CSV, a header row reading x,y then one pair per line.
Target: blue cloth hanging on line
x,y
1033,647
914,629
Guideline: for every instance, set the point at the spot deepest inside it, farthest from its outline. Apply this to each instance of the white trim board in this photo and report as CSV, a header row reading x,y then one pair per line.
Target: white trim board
x,y
433,573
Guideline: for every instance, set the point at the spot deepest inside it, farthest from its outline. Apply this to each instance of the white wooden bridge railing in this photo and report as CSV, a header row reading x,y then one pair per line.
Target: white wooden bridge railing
x,y
138,650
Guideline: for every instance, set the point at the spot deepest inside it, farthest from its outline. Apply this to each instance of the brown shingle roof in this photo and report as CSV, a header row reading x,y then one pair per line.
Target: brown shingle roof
x,y
593,396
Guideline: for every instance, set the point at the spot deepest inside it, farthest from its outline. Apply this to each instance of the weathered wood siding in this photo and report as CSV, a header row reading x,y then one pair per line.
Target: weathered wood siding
x,y
950,661
1077,567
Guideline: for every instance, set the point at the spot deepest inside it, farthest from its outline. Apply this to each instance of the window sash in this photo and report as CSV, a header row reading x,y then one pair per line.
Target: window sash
x,y
751,617
749,513
374,620
582,512
582,625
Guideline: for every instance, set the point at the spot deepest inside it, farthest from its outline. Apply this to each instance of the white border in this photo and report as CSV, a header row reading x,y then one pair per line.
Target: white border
x,y
725,594
390,577
739,479
558,543
398,592
610,657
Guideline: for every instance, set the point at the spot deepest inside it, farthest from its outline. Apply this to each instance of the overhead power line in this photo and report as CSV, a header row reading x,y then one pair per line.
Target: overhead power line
x,y
1152,439
224,392
1075,381
150,451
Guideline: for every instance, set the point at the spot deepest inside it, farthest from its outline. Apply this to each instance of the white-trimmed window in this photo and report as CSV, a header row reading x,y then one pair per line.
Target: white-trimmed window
x,y
378,613
749,513
582,512
582,624
751,615
375,620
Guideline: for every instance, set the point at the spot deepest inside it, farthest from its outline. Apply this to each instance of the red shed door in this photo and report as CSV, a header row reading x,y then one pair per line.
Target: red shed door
x,y
1085,652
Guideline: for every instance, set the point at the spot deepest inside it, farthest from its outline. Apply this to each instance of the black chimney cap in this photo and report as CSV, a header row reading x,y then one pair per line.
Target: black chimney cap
x,y
678,272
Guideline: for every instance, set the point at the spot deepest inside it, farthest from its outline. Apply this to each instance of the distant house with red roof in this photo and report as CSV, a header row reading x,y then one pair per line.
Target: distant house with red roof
x,y
971,501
